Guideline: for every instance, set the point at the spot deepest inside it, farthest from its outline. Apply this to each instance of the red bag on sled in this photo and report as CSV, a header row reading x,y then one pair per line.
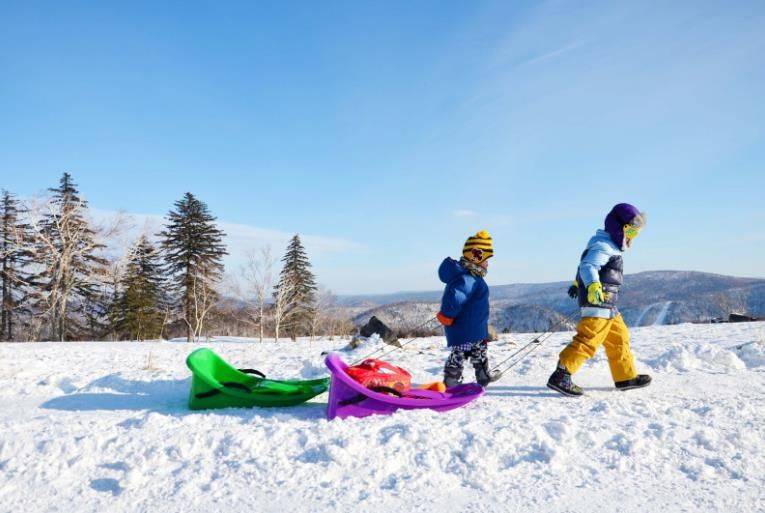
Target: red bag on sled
x,y
378,374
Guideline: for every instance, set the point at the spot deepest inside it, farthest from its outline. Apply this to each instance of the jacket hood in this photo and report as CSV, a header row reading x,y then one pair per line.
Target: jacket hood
x,y
450,269
620,215
604,237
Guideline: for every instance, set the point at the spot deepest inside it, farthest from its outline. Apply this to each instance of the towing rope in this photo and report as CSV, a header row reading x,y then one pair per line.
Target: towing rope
x,y
533,345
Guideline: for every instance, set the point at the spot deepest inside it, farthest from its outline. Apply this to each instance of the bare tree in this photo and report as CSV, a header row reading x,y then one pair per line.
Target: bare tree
x,y
166,318
259,277
66,252
284,307
203,299
324,318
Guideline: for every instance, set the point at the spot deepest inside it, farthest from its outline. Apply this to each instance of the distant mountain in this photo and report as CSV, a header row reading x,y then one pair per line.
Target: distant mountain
x,y
404,316
653,297
412,317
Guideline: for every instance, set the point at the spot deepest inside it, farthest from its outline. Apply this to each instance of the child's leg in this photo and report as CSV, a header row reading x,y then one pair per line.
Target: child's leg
x,y
617,346
480,360
453,366
590,334
479,353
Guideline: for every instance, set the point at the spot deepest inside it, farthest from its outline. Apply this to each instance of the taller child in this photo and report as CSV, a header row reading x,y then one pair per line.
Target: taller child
x,y
598,280
465,310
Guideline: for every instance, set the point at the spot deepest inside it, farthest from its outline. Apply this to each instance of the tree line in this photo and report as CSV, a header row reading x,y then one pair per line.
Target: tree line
x,y
60,281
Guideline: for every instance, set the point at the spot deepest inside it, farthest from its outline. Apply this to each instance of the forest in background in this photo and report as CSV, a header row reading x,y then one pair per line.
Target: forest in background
x,y
62,279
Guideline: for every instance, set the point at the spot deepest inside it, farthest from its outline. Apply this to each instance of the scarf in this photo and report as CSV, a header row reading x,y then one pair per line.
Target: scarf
x,y
474,269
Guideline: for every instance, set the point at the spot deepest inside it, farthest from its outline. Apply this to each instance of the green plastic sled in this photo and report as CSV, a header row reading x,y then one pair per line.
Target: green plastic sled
x,y
216,384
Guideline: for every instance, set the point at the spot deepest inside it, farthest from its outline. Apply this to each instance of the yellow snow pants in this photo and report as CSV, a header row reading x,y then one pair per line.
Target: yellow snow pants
x,y
591,333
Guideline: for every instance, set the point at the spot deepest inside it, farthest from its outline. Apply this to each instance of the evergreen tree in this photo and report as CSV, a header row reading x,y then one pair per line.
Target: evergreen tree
x,y
193,249
297,290
16,238
67,252
140,304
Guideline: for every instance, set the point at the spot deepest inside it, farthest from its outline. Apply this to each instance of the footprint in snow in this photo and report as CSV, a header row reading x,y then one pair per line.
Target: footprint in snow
x,y
390,432
66,385
556,429
106,485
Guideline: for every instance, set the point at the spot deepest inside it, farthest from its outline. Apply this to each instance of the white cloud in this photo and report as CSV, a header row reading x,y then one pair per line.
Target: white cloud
x,y
245,237
240,238
464,213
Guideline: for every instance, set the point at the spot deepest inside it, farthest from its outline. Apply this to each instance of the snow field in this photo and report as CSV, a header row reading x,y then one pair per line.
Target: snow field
x,y
104,427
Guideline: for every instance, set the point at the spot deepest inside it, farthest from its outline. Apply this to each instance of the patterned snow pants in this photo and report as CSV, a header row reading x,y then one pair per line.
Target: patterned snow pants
x,y
475,351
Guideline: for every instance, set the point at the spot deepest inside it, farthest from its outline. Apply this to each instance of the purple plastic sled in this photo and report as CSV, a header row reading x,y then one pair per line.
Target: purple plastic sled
x,y
349,398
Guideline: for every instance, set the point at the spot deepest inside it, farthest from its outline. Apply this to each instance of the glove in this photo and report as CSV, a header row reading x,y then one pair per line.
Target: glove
x,y
595,294
573,291
446,321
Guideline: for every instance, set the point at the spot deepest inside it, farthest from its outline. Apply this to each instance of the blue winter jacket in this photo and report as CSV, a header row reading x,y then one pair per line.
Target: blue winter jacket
x,y
466,302
601,261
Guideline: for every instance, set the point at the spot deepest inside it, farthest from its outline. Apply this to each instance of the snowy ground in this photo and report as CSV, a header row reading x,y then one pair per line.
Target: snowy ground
x,y
104,427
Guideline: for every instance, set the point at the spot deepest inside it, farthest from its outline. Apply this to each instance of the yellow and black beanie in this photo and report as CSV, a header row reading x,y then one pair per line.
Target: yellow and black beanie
x,y
478,248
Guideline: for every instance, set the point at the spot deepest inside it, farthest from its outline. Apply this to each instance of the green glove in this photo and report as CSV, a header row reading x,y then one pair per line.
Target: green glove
x,y
595,294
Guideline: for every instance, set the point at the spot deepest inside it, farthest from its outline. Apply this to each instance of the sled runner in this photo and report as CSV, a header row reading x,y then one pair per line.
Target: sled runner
x,y
349,398
216,384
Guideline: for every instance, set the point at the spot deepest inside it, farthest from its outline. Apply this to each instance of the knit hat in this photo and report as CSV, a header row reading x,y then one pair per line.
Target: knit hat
x,y
622,214
478,248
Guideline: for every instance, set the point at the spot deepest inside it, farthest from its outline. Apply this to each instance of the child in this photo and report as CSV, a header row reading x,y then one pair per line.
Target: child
x,y
465,310
597,285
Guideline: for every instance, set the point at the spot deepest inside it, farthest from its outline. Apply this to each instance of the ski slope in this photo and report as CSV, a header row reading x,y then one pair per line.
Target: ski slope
x,y
94,427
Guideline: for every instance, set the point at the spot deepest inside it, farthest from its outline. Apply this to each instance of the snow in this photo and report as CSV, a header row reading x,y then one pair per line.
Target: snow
x,y
104,427
662,316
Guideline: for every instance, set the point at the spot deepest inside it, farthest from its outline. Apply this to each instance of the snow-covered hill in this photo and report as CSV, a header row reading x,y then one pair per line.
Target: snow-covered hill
x,y
504,316
94,427
648,298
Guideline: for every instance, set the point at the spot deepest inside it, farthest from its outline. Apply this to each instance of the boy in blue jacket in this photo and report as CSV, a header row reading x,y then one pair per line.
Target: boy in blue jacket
x,y
465,310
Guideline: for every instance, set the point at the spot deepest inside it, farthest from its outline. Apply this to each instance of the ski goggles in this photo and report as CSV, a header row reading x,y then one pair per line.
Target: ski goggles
x,y
631,231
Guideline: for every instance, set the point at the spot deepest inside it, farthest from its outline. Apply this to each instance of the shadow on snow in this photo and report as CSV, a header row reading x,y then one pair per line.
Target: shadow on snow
x,y
521,391
165,396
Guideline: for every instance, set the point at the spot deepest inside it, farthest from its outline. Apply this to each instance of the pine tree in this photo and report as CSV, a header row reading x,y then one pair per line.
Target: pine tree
x,y
67,251
296,291
141,300
16,239
193,249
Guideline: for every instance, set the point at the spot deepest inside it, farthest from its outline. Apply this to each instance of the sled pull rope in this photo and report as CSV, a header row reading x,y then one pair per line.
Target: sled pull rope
x,y
533,345
420,326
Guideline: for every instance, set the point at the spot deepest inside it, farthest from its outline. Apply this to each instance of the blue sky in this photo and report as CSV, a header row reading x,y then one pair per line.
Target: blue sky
x,y
386,132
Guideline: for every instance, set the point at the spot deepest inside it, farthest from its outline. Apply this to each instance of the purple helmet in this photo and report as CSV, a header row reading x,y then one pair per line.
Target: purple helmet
x,y
622,214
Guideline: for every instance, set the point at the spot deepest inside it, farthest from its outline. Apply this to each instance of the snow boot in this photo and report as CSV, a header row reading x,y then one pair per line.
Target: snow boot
x,y
560,381
642,380
452,376
483,376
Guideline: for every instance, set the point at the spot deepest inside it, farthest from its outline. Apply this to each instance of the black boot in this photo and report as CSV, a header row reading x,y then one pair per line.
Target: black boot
x,y
642,380
560,381
480,359
452,376
483,376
